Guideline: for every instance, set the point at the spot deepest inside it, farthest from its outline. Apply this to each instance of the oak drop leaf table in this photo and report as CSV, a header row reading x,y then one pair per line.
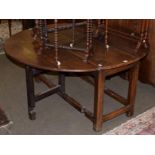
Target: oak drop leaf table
x,y
21,49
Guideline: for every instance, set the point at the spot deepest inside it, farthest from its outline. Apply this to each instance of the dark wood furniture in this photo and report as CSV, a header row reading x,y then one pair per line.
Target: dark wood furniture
x,y
104,63
147,67
147,72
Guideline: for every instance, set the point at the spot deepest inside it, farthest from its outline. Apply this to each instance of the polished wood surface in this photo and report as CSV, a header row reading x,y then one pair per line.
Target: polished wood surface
x,y
20,47
147,66
103,63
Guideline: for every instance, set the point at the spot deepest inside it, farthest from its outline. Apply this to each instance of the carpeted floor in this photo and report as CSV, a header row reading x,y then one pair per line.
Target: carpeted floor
x,y
143,124
54,115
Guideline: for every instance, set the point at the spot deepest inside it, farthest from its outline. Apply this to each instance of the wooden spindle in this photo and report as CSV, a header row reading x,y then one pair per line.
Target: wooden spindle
x,y
91,34
87,41
106,36
97,31
135,25
73,33
43,40
38,36
142,30
147,23
45,31
41,28
36,30
99,22
106,32
91,38
141,35
56,39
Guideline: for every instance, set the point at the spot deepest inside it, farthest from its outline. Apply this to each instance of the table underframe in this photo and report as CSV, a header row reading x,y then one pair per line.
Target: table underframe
x,y
99,76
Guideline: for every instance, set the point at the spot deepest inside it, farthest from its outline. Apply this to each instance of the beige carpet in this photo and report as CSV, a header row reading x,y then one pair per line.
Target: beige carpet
x,y
143,124
5,123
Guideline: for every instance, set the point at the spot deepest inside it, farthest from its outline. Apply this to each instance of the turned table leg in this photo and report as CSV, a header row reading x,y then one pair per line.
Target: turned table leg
x,y
98,100
30,92
133,78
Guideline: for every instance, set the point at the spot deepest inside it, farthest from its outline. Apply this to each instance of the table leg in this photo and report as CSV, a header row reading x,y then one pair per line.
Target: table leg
x,y
61,82
133,78
98,100
30,92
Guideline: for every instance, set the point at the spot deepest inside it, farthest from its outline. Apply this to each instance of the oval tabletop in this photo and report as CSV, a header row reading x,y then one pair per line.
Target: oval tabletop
x,y
20,47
